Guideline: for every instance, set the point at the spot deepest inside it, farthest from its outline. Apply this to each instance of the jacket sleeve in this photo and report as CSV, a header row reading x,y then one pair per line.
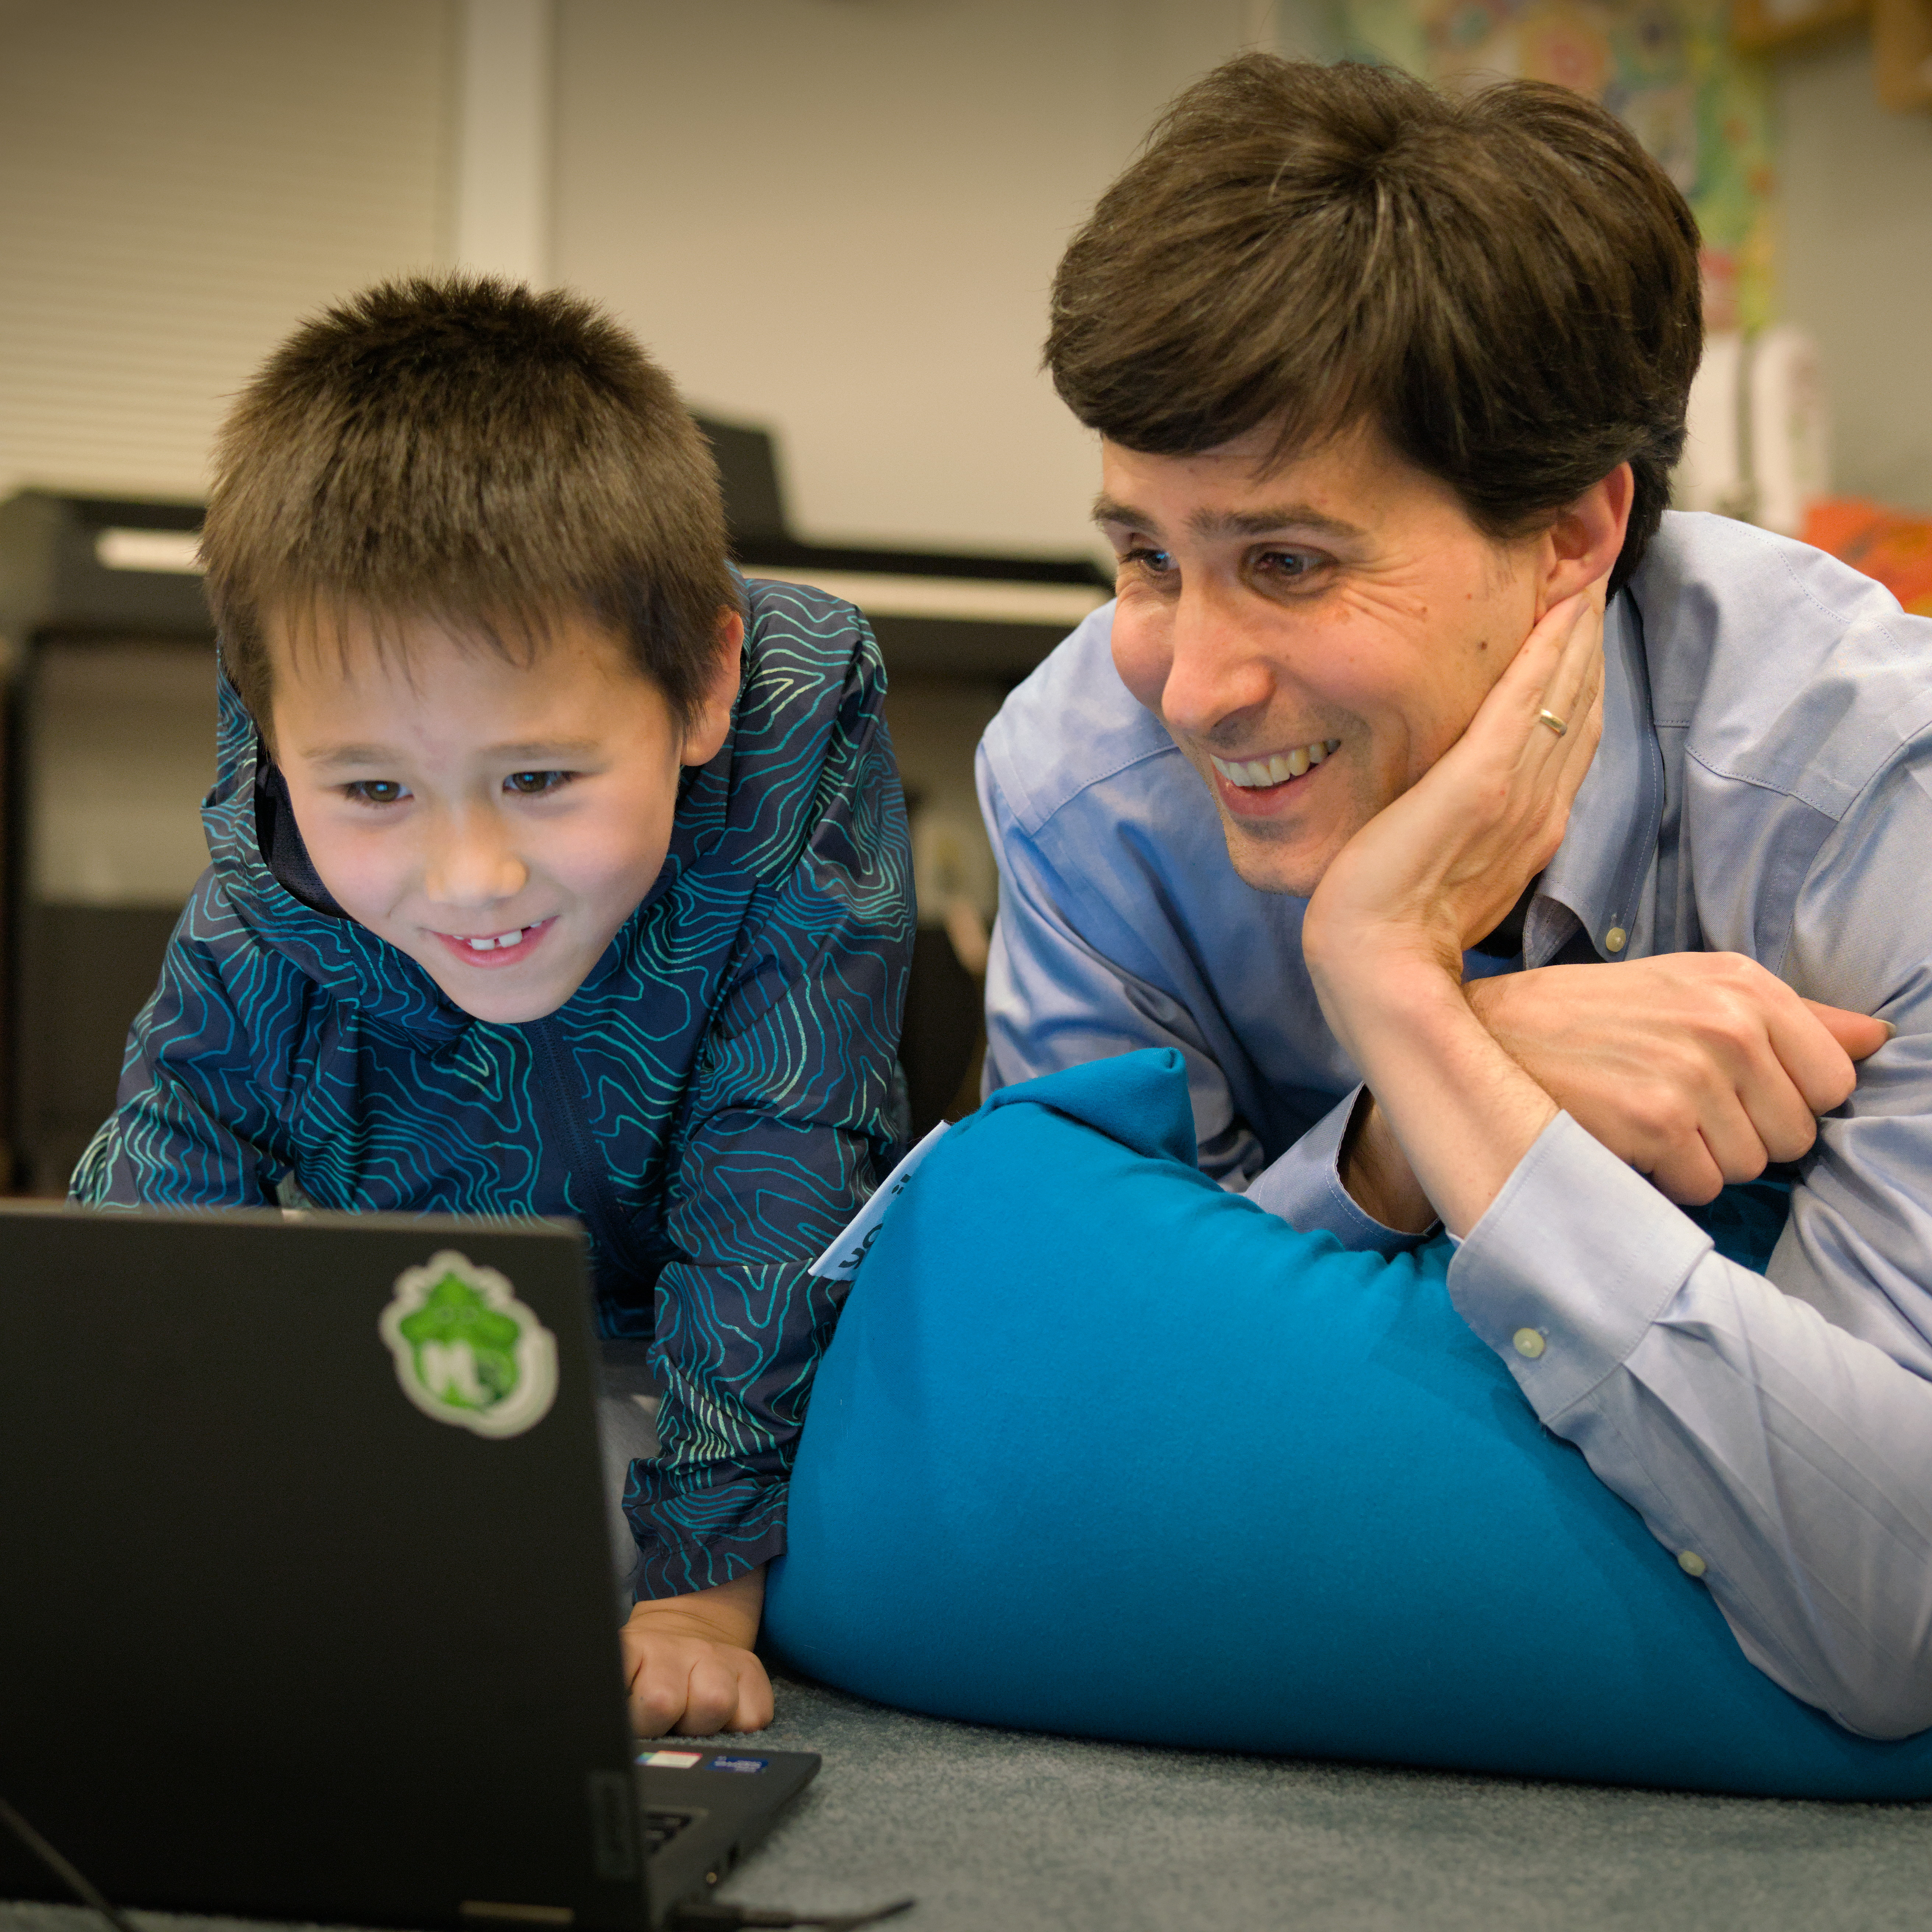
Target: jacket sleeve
x,y
189,1122
796,1112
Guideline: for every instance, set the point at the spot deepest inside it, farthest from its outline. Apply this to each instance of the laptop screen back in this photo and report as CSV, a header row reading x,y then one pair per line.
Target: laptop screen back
x,y
306,1607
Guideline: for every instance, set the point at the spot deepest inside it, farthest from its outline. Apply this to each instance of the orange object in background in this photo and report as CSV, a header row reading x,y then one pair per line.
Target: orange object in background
x,y
1895,546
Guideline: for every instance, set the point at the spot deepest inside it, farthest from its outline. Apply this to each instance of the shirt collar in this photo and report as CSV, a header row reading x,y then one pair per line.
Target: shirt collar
x,y
1595,882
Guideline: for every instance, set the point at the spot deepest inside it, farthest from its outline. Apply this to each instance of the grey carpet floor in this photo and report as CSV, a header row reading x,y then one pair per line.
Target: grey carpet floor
x,y
1003,1831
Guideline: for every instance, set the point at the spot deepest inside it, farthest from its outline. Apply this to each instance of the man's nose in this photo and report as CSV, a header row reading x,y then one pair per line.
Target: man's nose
x,y
471,862
1215,670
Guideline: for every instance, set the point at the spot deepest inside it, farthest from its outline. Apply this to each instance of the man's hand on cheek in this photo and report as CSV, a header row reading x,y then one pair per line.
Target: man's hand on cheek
x,y
1696,1068
688,1662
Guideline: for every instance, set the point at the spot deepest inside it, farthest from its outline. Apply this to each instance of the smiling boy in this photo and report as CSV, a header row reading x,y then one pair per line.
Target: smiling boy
x,y
556,871
1495,847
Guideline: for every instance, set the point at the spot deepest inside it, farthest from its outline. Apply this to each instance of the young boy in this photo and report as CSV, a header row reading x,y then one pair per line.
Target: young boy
x,y
556,871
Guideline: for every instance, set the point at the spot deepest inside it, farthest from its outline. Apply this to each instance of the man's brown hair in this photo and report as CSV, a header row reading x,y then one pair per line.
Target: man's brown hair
x,y
1506,285
464,450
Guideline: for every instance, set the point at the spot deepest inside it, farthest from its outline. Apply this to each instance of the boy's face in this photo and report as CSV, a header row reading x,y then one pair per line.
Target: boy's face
x,y
496,821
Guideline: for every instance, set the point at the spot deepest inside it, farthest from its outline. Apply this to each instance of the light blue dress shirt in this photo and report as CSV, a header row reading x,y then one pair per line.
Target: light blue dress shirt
x,y
1761,788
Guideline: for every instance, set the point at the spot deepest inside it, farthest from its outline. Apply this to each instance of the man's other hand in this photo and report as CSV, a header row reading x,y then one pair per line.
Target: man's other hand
x,y
688,1662
1696,1068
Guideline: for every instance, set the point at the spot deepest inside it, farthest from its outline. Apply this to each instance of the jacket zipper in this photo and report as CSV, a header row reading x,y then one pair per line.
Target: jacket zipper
x,y
608,1225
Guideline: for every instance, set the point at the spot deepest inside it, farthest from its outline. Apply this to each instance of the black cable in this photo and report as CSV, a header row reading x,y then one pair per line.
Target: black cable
x,y
70,1876
711,1915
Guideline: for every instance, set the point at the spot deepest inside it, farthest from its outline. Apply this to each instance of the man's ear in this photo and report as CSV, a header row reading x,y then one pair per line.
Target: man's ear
x,y
1585,541
704,736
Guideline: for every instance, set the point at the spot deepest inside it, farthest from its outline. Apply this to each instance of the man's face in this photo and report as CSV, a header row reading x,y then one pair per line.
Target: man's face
x,y
1314,637
496,821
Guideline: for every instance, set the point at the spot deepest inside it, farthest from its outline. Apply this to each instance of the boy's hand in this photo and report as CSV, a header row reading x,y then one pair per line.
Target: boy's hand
x,y
688,1662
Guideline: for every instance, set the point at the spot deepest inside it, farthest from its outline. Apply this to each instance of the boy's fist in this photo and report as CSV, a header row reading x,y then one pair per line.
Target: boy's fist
x,y
688,1662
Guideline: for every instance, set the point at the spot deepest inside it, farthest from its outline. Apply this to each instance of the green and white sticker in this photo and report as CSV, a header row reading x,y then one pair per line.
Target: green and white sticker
x,y
467,1352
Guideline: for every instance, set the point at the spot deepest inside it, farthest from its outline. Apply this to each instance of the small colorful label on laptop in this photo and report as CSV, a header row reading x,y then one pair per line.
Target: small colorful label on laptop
x,y
738,1764
466,1351
670,1760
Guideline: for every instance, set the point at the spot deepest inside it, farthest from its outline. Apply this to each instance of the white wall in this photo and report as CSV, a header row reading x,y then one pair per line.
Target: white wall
x,y
840,217
178,183
1857,264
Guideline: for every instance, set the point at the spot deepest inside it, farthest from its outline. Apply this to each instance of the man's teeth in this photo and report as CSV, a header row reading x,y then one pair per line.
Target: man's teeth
x,y
501,939
1255,773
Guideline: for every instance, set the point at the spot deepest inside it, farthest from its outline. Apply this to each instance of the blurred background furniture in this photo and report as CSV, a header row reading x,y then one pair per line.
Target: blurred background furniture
x,y
109,700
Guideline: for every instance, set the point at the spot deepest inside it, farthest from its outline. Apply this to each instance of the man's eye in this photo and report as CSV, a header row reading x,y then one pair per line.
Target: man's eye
x,y
535,784
1289,565
375,791
1156,562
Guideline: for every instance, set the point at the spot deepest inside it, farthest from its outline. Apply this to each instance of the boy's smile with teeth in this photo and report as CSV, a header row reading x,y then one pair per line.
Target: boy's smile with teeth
x,y
493,949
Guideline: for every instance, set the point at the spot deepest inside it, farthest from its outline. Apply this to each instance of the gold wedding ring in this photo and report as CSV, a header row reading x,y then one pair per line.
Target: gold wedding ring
x,y
1555,723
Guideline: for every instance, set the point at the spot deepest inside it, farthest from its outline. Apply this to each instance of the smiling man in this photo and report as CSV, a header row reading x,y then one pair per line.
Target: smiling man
x,y
1497,849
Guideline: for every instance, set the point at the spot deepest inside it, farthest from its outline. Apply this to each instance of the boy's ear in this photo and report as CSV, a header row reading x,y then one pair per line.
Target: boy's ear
x,y
1585,541
704,736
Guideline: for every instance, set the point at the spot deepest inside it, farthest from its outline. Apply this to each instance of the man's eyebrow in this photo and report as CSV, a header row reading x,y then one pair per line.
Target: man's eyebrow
x,y
1107,510
1209,524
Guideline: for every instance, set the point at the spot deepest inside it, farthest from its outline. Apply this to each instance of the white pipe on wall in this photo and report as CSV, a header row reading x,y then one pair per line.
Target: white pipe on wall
x,y
502,191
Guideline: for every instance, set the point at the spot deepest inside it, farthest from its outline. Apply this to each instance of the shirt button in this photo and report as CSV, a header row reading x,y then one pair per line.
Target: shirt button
x,y
1528,1343
1614,939
1690,1563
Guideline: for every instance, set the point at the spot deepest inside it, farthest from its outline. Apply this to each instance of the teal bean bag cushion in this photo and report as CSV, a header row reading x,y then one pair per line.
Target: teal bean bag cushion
x,y
1100,1448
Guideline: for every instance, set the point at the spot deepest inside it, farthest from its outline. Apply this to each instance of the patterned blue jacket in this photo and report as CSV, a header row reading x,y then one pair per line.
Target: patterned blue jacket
x,y
712,1104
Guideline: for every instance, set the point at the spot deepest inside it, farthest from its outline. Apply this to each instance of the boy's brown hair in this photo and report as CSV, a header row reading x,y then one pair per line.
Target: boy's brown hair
x,y
1507,285
462,449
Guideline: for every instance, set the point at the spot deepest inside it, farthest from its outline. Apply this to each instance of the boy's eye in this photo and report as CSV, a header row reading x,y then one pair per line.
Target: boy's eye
x,y
534,785
375,791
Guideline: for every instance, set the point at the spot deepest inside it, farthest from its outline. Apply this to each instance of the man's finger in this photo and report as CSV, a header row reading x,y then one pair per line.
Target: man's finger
x,y
1859,1034
1733,1143
1687,1175
1810,1052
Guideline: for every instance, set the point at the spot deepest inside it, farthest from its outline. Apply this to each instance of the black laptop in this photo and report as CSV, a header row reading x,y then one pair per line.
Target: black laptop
x,y
305,1600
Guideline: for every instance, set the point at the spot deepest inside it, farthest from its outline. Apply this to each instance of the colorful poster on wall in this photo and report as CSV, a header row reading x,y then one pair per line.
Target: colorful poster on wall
x,y
1666,67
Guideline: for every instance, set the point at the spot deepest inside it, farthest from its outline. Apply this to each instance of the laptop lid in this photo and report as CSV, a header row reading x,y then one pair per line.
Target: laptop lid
x,y
307,1605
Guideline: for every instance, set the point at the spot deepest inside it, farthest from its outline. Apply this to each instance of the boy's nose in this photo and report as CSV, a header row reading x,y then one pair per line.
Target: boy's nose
x,y
472,864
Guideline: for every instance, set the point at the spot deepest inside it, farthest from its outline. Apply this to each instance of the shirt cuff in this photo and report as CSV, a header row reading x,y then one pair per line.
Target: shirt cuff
x,y
1304,1189
1572,1261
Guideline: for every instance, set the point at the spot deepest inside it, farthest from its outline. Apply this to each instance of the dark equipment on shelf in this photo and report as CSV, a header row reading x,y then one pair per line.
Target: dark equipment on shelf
x,y
109,743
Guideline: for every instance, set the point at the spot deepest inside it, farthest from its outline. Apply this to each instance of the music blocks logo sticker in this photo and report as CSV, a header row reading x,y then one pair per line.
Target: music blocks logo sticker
x,y
466,1351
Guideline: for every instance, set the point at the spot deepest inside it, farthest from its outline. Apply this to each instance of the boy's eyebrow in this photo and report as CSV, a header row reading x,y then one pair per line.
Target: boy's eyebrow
x,y
1211,523
535,750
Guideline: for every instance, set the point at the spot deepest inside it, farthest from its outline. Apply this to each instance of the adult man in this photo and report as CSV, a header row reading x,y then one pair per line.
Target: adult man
x,y
1387,384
